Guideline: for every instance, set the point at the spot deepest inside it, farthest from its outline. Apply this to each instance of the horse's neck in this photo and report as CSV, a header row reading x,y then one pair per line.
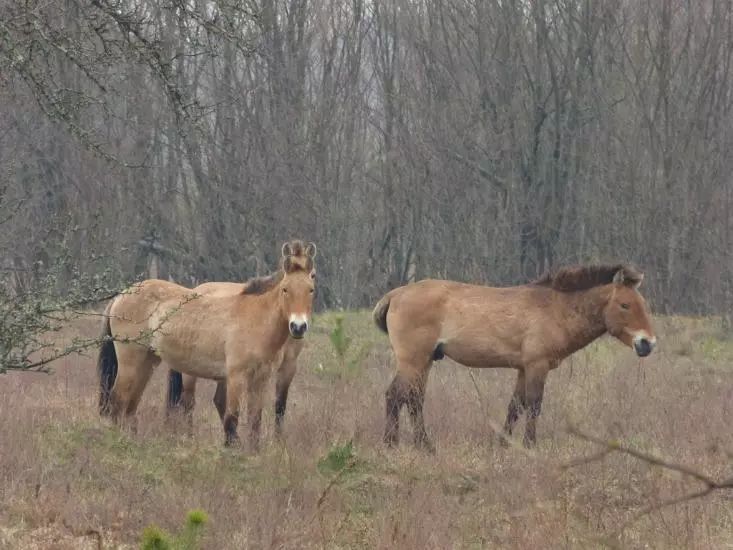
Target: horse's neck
x,y
270,315
584,316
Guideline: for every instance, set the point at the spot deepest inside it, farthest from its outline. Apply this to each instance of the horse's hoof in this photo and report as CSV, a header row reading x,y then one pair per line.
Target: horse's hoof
x,y
231,441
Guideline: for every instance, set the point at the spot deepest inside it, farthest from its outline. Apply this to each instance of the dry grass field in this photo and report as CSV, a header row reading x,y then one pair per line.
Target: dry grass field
x,y
70,480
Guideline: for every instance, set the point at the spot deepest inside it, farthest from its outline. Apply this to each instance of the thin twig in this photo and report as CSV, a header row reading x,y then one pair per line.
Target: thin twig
x,y
709,483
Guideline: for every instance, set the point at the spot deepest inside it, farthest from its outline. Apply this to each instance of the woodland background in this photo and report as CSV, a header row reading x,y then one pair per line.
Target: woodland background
x,y
473,140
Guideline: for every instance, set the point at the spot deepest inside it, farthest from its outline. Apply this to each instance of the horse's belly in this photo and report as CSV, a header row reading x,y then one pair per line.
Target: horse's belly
x,y
481,354
193,360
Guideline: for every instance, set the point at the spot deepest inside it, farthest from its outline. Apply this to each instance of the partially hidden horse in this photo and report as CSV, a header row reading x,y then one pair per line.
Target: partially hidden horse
x,y
236,338
182,387
530,328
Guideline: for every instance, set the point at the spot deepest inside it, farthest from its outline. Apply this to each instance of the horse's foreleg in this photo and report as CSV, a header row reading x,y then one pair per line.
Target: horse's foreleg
x,y
517,405
255,398
235,384
534,389
285,374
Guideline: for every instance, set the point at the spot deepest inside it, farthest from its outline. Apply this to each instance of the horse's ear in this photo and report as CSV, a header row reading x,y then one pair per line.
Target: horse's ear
x,y
637,279
287,263
286,250
311,250
627,276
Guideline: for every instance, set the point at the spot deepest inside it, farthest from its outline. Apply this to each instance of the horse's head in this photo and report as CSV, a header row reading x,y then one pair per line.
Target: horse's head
x,y
298,286
627,314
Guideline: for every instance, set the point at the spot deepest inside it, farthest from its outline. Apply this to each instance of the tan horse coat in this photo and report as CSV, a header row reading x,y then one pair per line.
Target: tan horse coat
x,y
236,338
530,328
287,363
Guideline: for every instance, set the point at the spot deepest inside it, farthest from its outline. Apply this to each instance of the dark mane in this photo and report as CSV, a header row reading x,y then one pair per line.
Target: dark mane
x,y
296,260
260,285
579,277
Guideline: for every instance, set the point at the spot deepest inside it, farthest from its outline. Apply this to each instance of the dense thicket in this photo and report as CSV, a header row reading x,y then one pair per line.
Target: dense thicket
x,y
475,140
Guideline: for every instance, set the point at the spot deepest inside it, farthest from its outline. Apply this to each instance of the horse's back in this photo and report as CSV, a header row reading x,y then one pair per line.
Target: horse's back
x,y
219,289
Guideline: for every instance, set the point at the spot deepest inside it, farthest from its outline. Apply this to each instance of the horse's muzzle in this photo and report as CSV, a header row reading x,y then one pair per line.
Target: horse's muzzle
x,y
297,330
643,346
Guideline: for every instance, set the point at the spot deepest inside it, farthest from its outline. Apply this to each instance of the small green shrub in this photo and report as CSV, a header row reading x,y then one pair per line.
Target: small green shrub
x,y
338,458
340,341
155,538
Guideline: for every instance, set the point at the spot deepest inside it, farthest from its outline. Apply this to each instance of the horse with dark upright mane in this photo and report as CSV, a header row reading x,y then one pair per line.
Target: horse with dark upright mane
x,y
236,338
182,387
530,328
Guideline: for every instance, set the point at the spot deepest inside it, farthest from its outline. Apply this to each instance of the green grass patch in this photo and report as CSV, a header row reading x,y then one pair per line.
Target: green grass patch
x,y
167,460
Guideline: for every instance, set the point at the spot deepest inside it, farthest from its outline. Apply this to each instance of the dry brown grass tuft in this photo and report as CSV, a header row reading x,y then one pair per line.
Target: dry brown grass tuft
x,y
68,477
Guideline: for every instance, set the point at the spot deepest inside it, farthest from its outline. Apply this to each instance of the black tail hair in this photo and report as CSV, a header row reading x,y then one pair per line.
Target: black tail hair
x,y
175,389
107,368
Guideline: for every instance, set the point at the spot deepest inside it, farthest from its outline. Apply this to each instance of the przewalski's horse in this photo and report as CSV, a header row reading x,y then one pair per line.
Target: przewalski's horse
x,y
531,328
233,338
182,387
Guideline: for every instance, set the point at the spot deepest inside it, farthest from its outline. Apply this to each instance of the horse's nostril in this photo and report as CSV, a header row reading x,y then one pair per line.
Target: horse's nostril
x,y
298,329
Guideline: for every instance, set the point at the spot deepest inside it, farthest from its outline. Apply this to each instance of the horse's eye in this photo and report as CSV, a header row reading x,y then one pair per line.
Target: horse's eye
x,y
312,291
285,290
625,306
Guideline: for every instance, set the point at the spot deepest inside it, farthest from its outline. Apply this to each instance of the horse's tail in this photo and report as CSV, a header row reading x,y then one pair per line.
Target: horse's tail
x,y
106,364
175,389
380,311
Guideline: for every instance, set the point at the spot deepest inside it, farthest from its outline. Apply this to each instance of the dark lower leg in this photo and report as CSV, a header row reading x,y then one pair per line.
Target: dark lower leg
x,y
231,421
220,398
516,404
235,384
281,402
530,432
254,420
415,407
535,390
516,407
394,400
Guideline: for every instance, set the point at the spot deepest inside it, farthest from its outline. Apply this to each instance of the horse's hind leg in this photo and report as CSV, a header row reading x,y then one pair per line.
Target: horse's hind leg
x,y
517,405
415,400
135,368
407,388
394,399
